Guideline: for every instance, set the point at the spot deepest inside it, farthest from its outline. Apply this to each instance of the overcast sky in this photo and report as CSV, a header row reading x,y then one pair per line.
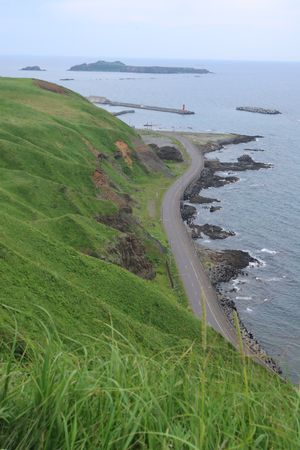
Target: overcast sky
x,y
191,29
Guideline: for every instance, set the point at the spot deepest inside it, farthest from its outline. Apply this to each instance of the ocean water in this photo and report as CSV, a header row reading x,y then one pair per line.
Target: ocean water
x,y
263,207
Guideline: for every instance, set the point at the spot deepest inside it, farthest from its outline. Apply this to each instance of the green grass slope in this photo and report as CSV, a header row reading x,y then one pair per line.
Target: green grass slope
x,y
49,143
92,355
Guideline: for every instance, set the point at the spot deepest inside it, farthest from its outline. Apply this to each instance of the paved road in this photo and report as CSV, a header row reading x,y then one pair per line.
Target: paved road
x,y
195,280
193,275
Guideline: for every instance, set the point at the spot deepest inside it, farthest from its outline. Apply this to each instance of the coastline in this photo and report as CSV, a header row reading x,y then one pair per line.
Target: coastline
x,y
220,308
230,272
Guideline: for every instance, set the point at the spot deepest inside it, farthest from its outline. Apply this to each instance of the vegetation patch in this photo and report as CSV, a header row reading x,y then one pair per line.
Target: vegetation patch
x,y
125,152
51,87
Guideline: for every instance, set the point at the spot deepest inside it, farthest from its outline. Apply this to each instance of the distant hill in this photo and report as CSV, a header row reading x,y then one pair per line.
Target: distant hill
x,y
118,66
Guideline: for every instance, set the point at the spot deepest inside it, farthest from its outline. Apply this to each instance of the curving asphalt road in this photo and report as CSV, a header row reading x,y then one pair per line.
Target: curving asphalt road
x,y
192,273
195,280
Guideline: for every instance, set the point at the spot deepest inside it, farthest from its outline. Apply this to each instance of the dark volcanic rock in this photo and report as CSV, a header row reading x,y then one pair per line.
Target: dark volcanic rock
x,y
122,220
225,265
133,257
212,231
206,180
245,159
215,208
168,152
235,139
188,212
200,200
244,162
230,309
148,158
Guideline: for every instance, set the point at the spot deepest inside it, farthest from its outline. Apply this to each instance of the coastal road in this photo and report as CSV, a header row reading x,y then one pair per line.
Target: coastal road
x,y
191,271
195,280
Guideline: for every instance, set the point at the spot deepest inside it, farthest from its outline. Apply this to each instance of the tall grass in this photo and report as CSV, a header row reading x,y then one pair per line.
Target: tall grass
x,y
183,399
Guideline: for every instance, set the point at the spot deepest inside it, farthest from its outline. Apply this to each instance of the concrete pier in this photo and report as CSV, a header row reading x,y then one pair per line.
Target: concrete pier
x,y
121,113
105,101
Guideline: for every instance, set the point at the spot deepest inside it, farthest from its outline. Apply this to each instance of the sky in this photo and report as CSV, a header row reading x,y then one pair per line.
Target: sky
x,y
177,29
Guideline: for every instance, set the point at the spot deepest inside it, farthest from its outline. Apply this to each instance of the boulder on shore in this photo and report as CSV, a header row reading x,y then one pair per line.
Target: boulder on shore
x,y
168,152
188,212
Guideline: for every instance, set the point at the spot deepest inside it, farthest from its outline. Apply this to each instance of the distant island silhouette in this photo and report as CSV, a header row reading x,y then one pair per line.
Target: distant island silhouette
x,y
118,66
34,69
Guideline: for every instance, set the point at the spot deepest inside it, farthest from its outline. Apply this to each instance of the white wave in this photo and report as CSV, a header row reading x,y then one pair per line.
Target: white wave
x,y
235,284
249,310
270,252
260,263
243,298
266,300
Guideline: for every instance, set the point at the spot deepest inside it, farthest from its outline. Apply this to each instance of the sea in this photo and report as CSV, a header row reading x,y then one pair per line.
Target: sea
x,y
263,208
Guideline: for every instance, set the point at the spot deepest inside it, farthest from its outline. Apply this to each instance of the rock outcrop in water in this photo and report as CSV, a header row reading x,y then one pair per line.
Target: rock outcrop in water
x,y
211,231
199,199
254,109
215,208
224,265
206,180
244,162
208,177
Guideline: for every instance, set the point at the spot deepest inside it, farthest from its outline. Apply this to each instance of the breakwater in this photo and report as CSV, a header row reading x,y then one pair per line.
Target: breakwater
x,y
105,101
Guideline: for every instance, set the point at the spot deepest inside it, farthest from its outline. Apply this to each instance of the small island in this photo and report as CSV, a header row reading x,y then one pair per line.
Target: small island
x,y
253,109
118,66
33,69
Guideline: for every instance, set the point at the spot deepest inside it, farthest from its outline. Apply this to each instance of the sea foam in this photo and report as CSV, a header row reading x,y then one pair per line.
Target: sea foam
x,y
270,252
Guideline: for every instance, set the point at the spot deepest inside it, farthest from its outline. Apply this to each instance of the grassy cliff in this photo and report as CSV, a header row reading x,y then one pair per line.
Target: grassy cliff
x,y
97,349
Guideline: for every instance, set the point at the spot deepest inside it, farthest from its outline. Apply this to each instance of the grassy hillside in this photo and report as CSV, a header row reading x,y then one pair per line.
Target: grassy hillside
x,y
97,350
54,147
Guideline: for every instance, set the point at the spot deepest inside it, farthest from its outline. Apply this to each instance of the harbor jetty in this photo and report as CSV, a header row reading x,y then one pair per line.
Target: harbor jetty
x,y
253,109
104,101
125,111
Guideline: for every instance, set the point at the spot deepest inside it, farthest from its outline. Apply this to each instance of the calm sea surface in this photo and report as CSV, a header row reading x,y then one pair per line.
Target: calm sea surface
x,y
263,208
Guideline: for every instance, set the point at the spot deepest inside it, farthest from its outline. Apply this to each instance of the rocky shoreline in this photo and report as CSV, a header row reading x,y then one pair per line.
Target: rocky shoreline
x,y
223,266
